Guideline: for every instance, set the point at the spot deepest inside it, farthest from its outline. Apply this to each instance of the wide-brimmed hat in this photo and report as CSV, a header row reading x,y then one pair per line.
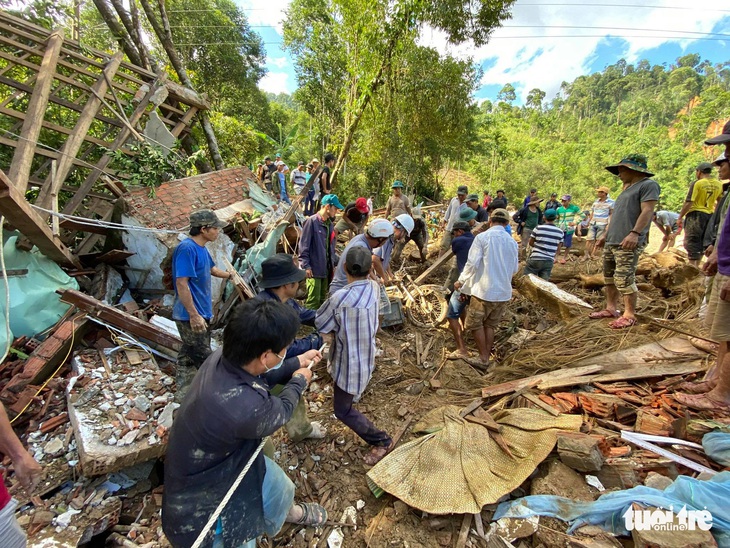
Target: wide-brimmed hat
x,y
603,189
314,161
635,162
534,200
205,217
280,270
721,139
467,214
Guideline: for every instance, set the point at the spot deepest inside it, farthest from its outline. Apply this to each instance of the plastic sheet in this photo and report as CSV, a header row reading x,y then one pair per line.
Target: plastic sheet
x,y
34,304
717,446
608,510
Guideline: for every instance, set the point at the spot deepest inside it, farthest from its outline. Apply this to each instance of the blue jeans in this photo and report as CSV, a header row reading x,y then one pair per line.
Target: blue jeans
x,y
284,196
278,494
539,267
456,306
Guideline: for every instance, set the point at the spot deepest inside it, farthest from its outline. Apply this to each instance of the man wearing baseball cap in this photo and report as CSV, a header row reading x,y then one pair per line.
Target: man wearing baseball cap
x,y
472,200
192,268
626,238
487,277
598,220
354,218
317,250
702,198
398,203
457,204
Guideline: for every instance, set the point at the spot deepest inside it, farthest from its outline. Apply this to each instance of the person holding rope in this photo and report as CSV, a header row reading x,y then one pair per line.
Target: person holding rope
x,y
219,431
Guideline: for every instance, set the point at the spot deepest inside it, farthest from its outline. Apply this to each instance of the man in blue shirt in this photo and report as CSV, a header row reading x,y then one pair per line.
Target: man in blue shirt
x,y
192,268
460,245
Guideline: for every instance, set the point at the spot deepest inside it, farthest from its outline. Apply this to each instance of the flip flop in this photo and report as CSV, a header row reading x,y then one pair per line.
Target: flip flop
x,y
376,454
605,313
622,323
455,355
313,514
700,402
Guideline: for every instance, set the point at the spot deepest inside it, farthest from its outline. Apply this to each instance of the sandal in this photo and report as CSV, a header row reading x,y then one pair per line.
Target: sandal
x,y
376,454
622,323
313,514
700,402
477,363
605,313
456,355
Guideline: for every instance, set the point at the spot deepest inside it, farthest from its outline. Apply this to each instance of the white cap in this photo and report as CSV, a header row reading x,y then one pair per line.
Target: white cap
x,y
380,228
721,158
406,221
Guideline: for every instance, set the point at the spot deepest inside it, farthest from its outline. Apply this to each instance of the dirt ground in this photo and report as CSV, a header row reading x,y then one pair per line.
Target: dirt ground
x,y
332,472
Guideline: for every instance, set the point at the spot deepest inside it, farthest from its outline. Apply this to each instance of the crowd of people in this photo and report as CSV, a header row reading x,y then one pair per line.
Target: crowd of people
x,y
254,383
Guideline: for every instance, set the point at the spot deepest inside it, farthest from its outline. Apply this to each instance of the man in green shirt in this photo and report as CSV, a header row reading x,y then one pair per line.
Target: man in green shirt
x,y
569,215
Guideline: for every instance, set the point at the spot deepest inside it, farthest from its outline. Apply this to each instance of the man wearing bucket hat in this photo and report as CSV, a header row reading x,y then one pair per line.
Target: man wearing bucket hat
x,y
192,268
398,202
317,250
698,207
598,220
487,277
626,238
457,204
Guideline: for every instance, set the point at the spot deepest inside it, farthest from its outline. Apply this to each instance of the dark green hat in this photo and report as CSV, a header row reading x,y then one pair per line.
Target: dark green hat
x,y
205,217
467,214
472,198
635,162
397,184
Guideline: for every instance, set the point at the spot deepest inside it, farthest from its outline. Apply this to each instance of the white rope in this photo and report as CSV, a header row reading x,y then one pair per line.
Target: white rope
x,y
9,334
227,498
105,224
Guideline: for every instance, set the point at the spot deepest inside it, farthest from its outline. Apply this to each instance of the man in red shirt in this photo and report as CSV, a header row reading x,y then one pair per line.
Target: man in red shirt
x,y
28,472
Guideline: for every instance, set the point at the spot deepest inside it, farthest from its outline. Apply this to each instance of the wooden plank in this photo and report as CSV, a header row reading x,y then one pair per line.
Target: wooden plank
x,y
464,531
440,261
23,157
120,319
185,121
72,145
562,374
20,214
49,125
84,188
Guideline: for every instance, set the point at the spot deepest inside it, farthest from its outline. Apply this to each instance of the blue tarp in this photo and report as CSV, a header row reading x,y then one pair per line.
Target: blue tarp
x,y
717,446
608,510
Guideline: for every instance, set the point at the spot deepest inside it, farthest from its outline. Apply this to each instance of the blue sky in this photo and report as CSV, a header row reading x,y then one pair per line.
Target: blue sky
x,y
541,46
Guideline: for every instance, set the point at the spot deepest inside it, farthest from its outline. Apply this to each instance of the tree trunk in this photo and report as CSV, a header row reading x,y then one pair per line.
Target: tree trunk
x,y
128,22
118,31
162,30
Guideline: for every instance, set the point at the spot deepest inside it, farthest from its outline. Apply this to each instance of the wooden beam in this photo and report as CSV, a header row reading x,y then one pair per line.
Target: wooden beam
x,y
73,204
23,157
122,320
440,261
185,121
21,215
72,145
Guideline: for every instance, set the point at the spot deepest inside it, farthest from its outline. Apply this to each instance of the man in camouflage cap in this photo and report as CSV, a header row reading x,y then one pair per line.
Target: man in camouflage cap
x,y
192,268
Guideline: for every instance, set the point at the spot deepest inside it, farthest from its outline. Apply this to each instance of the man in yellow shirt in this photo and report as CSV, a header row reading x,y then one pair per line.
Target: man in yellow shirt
x,y
699,205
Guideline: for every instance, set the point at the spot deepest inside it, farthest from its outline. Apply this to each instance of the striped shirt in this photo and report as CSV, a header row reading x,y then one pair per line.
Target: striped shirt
x,y
602,211
547,239
352,315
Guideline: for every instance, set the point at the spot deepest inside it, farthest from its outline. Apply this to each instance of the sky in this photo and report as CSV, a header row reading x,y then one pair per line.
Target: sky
x,y
547,42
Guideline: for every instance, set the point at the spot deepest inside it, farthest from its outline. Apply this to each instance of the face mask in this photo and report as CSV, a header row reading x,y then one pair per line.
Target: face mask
x,y
278,365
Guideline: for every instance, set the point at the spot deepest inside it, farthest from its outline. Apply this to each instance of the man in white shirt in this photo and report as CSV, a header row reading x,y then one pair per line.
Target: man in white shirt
x,y
451,216
487,277
299,178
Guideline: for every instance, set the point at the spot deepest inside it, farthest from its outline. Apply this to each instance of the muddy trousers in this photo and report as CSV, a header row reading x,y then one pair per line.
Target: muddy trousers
x,y
194,351
356,421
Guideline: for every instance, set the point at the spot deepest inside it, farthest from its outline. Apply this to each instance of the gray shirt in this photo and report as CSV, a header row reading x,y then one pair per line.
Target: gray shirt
x,y
667,218
628,208
340,278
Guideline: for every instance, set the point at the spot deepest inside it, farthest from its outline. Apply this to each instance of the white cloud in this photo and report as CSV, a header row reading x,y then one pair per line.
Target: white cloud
x,y
531,62
271,12
275,82
278,62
